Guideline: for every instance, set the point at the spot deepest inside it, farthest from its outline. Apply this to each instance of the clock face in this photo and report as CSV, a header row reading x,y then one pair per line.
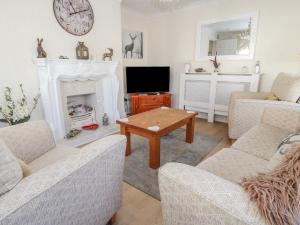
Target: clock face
x,y
75,16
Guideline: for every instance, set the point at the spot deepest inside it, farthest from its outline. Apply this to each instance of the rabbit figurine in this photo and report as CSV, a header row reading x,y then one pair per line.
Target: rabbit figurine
x,y
41,52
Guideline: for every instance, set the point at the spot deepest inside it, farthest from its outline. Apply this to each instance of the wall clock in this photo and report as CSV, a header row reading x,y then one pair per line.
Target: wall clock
x,y
74,16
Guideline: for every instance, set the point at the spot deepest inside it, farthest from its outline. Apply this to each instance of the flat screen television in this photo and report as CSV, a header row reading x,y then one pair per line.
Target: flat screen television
x,y
148,79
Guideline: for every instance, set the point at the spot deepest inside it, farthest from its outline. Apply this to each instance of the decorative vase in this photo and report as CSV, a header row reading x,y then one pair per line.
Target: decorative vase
x,y
187,67
82,52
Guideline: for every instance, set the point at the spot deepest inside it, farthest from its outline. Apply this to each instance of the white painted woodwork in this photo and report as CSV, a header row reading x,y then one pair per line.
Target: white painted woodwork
x,y
209,93
57,78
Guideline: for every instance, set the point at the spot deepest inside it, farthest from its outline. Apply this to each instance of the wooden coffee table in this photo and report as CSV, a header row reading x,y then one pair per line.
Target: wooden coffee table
x,y
167,119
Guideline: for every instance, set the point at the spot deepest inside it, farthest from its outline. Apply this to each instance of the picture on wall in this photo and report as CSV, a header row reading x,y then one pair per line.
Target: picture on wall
x,y
132,42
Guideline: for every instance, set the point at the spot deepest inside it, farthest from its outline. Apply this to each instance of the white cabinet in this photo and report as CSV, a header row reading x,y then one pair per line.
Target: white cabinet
x,y
209,93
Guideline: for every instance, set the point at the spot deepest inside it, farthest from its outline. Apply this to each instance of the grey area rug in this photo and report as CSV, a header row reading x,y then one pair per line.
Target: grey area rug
x,y
173,149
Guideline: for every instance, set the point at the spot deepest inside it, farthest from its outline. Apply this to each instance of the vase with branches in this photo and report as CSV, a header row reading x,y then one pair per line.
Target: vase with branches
x,y
15,111
216,64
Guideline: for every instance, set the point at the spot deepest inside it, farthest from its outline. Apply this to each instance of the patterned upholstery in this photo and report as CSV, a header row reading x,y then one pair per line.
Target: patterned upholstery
x,y
50,157
287,87
10,170
247,113
282,118
246,108
261,141
83,188
28,141
233,165
210,194
194,196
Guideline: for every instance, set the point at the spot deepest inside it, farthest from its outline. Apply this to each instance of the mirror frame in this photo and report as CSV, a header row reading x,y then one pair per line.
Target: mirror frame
x,y
254,22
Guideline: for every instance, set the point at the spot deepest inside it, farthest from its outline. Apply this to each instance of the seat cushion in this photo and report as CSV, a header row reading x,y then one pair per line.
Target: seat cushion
x,y
10,170
261,141
233,165
52,156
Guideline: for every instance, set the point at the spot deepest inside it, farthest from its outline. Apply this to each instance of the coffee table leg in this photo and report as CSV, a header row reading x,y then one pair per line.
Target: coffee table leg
x,y
190,130
154,160
125,132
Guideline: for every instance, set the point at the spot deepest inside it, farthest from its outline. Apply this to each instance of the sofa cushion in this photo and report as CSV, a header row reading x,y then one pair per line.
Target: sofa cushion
x,y
52,156
284,147
287,87
28,141
10,170
25,168
233,165
261,141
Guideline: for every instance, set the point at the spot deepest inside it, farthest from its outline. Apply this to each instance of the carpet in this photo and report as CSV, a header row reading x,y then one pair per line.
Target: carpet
x,y
173,149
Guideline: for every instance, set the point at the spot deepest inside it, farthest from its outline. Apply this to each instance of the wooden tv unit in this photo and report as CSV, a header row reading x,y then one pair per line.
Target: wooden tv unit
x,y
143,102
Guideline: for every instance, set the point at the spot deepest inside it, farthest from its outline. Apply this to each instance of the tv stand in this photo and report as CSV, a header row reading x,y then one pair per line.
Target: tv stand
x,y
142,103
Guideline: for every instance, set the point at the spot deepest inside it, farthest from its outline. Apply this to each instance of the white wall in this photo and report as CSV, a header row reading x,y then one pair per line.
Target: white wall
x,y
135,21
171,37
22,22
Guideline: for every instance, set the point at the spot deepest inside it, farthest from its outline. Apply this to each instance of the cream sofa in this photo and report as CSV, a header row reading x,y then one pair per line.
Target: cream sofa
x,y
246,108
67,185
210,192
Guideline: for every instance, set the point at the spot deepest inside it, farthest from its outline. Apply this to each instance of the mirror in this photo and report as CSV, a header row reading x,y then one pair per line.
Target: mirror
x,y
229,39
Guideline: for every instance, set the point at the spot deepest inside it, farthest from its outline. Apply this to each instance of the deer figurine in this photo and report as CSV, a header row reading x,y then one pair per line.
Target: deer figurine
x,y
108,54
129,47
41,52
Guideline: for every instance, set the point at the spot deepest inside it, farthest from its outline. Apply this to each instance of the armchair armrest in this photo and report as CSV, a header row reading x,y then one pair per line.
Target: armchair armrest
x,y
193,196
87,184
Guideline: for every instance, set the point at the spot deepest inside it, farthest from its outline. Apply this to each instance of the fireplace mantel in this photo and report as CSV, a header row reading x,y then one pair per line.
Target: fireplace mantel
x,y
52,72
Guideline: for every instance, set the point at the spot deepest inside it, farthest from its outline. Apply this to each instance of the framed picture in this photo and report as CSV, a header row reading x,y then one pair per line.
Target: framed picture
x,y
132,42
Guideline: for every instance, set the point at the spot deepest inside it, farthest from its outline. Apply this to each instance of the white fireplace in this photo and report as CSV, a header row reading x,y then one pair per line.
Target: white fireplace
x,y
75,93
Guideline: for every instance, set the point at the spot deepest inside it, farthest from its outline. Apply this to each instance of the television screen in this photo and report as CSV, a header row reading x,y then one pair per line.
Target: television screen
x,y
147,79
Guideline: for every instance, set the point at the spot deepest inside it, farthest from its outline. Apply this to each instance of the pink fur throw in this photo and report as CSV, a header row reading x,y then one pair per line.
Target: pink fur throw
x,y
276,193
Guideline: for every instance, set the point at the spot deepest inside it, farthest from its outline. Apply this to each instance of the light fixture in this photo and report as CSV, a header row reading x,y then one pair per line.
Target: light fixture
x,y
170,4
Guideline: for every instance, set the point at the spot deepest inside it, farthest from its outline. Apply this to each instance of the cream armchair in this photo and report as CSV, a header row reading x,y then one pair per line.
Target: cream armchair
x,y
246,108
67,185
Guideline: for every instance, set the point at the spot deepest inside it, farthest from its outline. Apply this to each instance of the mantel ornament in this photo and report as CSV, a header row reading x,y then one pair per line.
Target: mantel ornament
x,y
41,52
108,54
82,52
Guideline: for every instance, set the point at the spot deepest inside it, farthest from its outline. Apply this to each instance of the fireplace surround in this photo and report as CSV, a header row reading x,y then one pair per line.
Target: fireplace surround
x,y
61,81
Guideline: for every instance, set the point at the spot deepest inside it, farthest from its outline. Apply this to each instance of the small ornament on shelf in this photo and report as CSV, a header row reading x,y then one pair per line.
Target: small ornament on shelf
x,y
63,57
41,52
105,120
108,54
216,64
82,52
187,67
200,70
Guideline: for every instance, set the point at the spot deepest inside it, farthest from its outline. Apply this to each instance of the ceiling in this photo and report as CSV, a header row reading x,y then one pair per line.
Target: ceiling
x,y
147,6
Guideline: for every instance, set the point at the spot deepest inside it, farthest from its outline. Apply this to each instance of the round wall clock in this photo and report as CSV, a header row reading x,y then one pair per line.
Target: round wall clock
x,y
74,16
